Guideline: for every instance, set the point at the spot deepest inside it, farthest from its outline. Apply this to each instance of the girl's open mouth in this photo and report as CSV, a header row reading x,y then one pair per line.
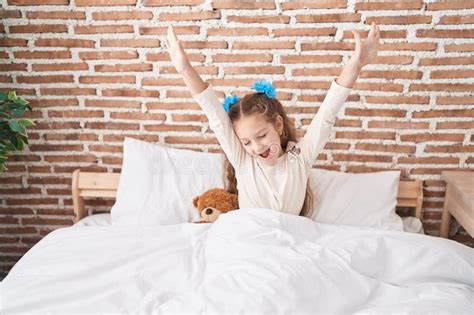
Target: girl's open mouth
x,y
265,154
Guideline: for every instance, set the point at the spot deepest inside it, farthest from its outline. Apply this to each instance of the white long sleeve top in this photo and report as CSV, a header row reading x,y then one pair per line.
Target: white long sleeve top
x,y
282,186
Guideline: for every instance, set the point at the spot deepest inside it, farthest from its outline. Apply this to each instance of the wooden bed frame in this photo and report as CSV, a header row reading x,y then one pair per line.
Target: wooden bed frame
x,y
95,184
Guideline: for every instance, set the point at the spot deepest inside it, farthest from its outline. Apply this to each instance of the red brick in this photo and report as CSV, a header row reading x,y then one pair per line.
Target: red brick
x,y
385,148
138,116
101,29
261,19
389,5
12,42
457,19
365,135
77,114
378,87
321,31
254,70
238,31
44,102
362,158
190,140
327,4
458,47
409,19
415,75
162,3
48,54
38,28
450,74
233,5
409,46
93,3
124,67
56,15
428,160
449,148
59,66
242,57
449,5
129,43
122,15
191,16
424,137
398,99
12,66
106,79
45,79
86,55
327,46
446,61
310,59
453,100
444,113
162,30
10,14
383,34
112,126
328,18
111,103
38,2
52,42
397,125
459,33
454,87
130,93
67,91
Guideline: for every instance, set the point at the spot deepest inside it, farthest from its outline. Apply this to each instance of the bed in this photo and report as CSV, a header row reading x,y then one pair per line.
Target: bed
x,y
252,260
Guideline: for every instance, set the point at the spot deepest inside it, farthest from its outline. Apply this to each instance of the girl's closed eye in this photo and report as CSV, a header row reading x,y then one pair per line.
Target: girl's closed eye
x,y
262,136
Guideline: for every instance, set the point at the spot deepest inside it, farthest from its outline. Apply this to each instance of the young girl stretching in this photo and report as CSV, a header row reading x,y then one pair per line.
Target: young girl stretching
x,y
267,167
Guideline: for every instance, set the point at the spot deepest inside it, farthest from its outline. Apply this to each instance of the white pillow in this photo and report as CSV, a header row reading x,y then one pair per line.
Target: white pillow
x,y
358,199
158,183
99,219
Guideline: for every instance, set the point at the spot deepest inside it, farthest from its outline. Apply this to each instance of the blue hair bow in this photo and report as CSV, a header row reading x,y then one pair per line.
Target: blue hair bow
x,y
229,101
265,87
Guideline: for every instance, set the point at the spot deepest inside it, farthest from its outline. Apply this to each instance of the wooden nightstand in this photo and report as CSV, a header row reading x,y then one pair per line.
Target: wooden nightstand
x,y
459,200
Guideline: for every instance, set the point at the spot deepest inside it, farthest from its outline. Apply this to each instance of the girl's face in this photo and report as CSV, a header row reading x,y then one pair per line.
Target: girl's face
x,y
260,138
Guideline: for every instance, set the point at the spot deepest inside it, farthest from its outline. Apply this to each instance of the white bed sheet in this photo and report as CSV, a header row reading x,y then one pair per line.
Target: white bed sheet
x,y
251,260
410,224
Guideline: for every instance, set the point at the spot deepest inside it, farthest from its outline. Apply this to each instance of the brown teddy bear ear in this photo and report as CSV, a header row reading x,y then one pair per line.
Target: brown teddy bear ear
x,y
195,201
235,199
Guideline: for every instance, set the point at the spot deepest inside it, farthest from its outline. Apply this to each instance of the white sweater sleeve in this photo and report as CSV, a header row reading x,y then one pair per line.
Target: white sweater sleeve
x,y
319,129
220,123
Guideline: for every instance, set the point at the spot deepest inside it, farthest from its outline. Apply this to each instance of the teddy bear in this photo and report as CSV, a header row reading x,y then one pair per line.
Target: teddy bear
x,y
213,203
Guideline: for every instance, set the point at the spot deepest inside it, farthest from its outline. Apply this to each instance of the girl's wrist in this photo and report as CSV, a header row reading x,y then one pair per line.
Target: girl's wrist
x,y
355,63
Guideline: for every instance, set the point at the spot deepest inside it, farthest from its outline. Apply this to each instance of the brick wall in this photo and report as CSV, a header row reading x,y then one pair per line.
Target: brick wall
x,y
97,70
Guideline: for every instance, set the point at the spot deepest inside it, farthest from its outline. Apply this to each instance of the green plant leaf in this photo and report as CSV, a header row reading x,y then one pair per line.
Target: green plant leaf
x,y
3,97
20,101
26,122
18,112
15,126
11,95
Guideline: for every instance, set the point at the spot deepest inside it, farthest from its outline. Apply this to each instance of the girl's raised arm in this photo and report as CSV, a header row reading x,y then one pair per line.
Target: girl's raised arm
x,y
203,93
320,128
181,62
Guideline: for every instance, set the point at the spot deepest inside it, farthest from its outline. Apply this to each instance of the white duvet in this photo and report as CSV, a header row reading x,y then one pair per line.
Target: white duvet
x,y
250,260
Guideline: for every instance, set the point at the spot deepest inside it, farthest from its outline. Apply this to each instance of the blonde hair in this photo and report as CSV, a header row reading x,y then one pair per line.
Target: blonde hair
x,y
259,103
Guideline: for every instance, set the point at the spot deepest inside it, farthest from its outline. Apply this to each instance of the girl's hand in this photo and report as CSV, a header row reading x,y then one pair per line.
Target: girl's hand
x,y
176,51
366,51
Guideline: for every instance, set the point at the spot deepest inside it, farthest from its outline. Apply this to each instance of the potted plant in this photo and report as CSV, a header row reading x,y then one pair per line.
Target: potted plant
x,y
12,128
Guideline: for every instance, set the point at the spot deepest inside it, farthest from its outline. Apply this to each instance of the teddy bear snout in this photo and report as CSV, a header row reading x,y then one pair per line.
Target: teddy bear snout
x,y
208,211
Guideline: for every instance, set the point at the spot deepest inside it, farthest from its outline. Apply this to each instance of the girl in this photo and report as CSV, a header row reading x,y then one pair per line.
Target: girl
x,y
266,167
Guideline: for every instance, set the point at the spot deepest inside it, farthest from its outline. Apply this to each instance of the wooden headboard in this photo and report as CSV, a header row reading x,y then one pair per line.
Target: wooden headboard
x,y
92,184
